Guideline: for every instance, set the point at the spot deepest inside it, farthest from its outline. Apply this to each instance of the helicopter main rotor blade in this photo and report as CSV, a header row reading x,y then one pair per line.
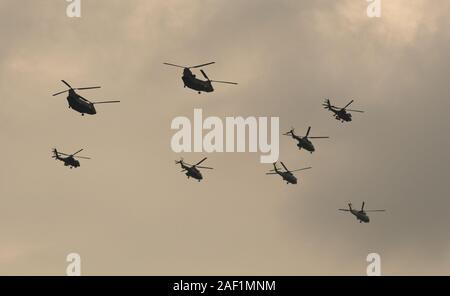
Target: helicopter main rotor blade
x,y
271,173
178,66
375,211
351,102
284,166
105,102
204,75
89,87
65,82
202,65
169,64
226,82
83,157
77,152
362,206
302,169
344,210
203,167
61,92
350,110
307,133
60,153
201,161
319,137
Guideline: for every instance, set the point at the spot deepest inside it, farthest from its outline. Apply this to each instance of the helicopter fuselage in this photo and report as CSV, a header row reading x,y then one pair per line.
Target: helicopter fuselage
x,y
80,104
192,172
70,161
192,82
360,215
342,115
288,177
305,143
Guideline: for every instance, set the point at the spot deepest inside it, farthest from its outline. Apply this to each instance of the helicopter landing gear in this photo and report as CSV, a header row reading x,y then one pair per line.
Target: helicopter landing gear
x,y
82,114
199,92
198,180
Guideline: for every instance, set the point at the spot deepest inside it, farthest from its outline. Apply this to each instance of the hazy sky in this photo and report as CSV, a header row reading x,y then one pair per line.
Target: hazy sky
x,y
129,210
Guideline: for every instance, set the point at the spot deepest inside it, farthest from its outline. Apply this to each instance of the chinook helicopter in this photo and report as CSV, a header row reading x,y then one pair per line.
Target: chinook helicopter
x,y
360,215
192,82
80,104
69,160
304,142
192,170
341,114
288,175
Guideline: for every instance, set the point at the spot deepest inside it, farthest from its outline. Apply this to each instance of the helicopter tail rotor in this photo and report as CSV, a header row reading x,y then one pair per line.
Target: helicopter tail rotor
x,y
55,154
327,104
290,132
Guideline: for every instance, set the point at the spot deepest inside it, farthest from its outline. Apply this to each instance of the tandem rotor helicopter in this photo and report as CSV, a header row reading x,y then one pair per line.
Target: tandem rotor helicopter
x,y
192,82
287,175
192,170
69,160
341,114
360,215
304,142
80,104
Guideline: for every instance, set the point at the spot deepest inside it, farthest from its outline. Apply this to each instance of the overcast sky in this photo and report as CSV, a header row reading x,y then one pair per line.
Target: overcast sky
x,y
129,210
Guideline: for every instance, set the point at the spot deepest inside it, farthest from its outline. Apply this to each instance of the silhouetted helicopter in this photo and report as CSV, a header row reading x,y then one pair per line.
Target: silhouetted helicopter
x,y
360,215
288,175
80,104
194,83
304,142
340,113
70,160
192,170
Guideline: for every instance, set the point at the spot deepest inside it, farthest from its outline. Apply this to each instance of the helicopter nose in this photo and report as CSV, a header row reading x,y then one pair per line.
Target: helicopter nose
x,y
294,181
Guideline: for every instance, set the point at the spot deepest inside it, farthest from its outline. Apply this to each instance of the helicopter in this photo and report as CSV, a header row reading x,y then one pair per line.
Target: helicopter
x,y
360,215
192,170
80,104
304,142
192,82
341,114
288,175
69,160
